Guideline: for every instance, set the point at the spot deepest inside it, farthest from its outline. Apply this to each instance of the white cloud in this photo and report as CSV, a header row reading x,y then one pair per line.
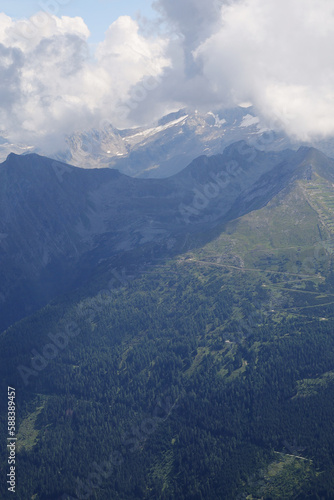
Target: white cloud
x,y
52,86
26,34
276,55
127,57
279,56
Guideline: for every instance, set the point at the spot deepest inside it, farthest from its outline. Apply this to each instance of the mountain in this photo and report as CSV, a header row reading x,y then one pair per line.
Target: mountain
x,y
206,369
58,222
163,148
284,221
7,147
167,146
56,217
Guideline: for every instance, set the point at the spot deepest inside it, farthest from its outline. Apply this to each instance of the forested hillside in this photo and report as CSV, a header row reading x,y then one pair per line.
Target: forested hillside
x,y
206,374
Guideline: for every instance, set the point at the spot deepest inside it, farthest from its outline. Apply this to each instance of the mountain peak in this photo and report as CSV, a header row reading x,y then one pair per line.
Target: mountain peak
x,y
11,157
318,161
241,148
311,152
172,116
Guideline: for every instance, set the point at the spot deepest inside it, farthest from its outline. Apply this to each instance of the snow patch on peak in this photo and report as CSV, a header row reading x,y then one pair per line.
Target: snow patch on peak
x,y
249,120
160,128
218,121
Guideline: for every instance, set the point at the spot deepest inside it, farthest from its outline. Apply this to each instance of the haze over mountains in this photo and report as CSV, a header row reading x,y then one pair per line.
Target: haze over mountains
x,y
165,147
220,303
185,267
59,221
167,250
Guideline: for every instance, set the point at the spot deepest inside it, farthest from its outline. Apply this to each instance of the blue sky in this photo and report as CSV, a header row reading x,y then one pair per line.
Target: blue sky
x,y
212,54
97,14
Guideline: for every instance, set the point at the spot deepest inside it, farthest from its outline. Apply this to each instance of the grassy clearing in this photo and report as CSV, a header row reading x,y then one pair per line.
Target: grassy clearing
x,y
28,432
284,478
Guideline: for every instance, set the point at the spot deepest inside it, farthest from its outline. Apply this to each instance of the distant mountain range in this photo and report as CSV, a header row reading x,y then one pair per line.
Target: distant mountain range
x,y
170,338
59,222
165,147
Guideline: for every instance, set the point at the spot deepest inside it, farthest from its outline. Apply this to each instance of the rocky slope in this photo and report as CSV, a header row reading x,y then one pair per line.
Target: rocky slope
x,y
58,222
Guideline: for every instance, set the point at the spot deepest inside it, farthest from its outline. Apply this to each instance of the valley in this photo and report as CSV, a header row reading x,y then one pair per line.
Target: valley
x,y
212,340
